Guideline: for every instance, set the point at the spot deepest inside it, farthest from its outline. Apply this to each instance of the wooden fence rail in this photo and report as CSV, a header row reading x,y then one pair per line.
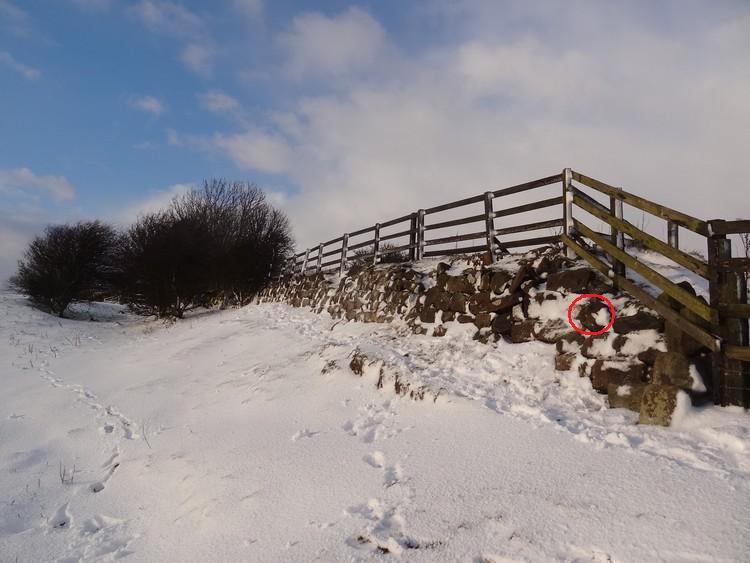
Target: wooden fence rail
x,y
721,324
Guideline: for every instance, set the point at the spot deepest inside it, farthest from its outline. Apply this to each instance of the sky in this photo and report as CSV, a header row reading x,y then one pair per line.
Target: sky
x,y
352,113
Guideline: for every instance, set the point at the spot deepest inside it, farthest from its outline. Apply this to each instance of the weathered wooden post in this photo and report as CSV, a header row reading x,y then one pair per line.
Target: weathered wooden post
x,y
320,257
567,178
420,234
304,262
724,290
344,250
376,245
413,237
489,225
673,234
618,238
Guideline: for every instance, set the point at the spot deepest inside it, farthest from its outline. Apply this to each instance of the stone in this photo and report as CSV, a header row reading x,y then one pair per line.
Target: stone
x,y
521,276
442,267
437,298
570,281
485,281
604,372
483,335
642,320
427,315
594,347
465,319
672,368
564,362
499,280
545,267
448,316
658,404
482,320
551,331
439,330
543,296
479,303
456,303
570,342
502,323
460,284
648,356
504,304
587,314
626,396
522,331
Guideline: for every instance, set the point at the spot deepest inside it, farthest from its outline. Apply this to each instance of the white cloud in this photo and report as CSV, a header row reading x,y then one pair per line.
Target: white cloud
x,y
24,70
22,180
198,58
336,45
148,104
257,150
218,102
155,201
167,18
658,110
250,8
14,19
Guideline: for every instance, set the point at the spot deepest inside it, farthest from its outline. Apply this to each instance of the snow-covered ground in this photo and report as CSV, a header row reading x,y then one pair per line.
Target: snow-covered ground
x,y
243,435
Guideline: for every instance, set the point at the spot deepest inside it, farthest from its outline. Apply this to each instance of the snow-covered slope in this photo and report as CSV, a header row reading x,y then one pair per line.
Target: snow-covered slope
x,y
243,436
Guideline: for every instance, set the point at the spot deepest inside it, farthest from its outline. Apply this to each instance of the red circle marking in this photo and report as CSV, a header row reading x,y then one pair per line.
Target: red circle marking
x,y
587,332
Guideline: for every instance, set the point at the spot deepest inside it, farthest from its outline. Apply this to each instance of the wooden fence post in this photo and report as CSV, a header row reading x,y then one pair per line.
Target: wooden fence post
x,y
320,257
724,287
673,234
567,178
304,262
420,234
618,238
376,245
344,250
489,225
413,237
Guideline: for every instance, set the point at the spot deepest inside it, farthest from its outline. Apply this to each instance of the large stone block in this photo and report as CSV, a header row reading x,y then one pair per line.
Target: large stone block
x,y
604,372
658,404
570,281
502,323
672,368
627,396
522,331
564,362
482,320
499,281
642,320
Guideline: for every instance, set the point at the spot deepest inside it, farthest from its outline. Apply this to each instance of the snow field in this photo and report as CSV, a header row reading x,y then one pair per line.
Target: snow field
x,y
220,438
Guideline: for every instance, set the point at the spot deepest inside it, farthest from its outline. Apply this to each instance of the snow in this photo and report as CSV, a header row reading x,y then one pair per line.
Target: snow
x,y
242,435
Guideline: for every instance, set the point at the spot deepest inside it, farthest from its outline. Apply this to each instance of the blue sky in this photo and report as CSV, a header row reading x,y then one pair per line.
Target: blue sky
x,y
348,113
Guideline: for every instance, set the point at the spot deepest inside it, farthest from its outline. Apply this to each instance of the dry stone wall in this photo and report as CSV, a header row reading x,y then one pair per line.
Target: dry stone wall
x,y
642,364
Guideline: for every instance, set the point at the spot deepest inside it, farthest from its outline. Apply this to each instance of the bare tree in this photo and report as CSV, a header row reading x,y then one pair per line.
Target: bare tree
x,y
214,246
67,263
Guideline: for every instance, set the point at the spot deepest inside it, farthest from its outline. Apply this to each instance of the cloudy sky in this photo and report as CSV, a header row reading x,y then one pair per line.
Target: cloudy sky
x,y
348,113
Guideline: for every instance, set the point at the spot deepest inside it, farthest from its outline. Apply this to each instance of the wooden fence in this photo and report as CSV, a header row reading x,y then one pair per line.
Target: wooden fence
x,y
721,325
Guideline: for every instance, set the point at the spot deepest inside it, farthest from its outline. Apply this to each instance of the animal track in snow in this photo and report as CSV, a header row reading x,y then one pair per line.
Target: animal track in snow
x,y
376,459
305,433
374,422
62,520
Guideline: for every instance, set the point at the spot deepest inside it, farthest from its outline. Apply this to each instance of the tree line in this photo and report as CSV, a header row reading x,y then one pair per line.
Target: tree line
x,y
212,247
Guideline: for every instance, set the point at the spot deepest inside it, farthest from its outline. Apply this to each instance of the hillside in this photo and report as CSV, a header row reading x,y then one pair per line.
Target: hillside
x,y
245,435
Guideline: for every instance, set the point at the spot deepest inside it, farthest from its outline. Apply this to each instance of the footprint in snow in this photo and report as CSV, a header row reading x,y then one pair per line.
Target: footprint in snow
x,y
303,434
376,459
